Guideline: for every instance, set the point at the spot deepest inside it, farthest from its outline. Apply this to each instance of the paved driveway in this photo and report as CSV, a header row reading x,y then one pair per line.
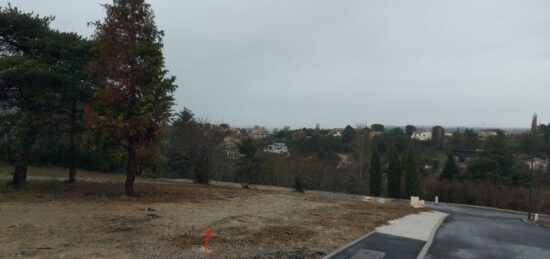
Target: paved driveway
x,y
484,233
402,238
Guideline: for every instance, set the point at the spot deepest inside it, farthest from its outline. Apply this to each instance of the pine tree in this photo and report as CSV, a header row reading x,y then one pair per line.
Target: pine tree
x,y
394,174
375,181
450,171
247,163
411,174
348,134
134,98
71,55
23,84
43,79
410,129
438,133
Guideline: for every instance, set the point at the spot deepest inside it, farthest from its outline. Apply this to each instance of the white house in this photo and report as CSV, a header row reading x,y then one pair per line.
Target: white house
x,y
485,134
539,164
422,135
336,132
277,148
259,133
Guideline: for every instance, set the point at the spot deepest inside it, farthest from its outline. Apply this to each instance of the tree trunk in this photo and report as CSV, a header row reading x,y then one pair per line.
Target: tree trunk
x,y
20,173
130,170
73,144
320,173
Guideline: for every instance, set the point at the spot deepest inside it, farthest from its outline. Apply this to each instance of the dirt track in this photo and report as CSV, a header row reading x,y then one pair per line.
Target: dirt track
x,y
91,219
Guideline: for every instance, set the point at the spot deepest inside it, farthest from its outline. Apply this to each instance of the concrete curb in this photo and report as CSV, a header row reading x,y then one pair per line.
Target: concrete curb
x,y
496,209
478,207
348,245
428,244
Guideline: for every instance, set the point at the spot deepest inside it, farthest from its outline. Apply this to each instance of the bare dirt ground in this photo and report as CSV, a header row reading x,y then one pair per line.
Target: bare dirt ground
x,y
93,219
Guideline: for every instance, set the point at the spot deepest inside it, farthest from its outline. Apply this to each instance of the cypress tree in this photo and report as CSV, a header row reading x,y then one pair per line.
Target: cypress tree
x,y
450,171
411,174
375,173
394,174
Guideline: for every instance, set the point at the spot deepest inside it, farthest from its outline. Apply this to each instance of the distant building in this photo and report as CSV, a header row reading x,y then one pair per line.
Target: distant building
x,y
298,134
485,134
259,133
539,163
235,131
337,132
422,135
230,147
375,133
464,155
277,148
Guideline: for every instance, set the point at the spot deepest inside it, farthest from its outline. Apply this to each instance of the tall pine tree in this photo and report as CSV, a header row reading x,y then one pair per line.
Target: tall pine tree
x,y
375,172
394,174
134,98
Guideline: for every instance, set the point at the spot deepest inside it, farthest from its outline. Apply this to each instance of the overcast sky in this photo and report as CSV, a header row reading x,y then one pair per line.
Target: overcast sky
x,y
300,62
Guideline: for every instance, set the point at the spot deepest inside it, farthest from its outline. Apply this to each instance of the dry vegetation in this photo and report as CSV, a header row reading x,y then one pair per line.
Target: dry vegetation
x,y
93,219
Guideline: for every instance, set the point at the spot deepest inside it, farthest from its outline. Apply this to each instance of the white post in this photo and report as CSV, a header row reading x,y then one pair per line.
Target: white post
x,y
536,218
414,201
436,200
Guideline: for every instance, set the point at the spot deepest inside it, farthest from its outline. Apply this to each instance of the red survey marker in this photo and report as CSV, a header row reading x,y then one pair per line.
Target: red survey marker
x,y
208,234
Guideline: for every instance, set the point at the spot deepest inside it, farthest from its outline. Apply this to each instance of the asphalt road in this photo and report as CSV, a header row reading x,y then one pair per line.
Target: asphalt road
x,y
485,233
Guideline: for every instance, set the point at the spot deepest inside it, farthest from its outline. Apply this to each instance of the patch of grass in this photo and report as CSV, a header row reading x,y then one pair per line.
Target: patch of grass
x,y
5,169
50,171
35,185
48,189
64,172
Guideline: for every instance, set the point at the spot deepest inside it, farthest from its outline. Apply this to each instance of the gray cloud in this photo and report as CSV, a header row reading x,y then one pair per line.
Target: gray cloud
x,y
301,62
